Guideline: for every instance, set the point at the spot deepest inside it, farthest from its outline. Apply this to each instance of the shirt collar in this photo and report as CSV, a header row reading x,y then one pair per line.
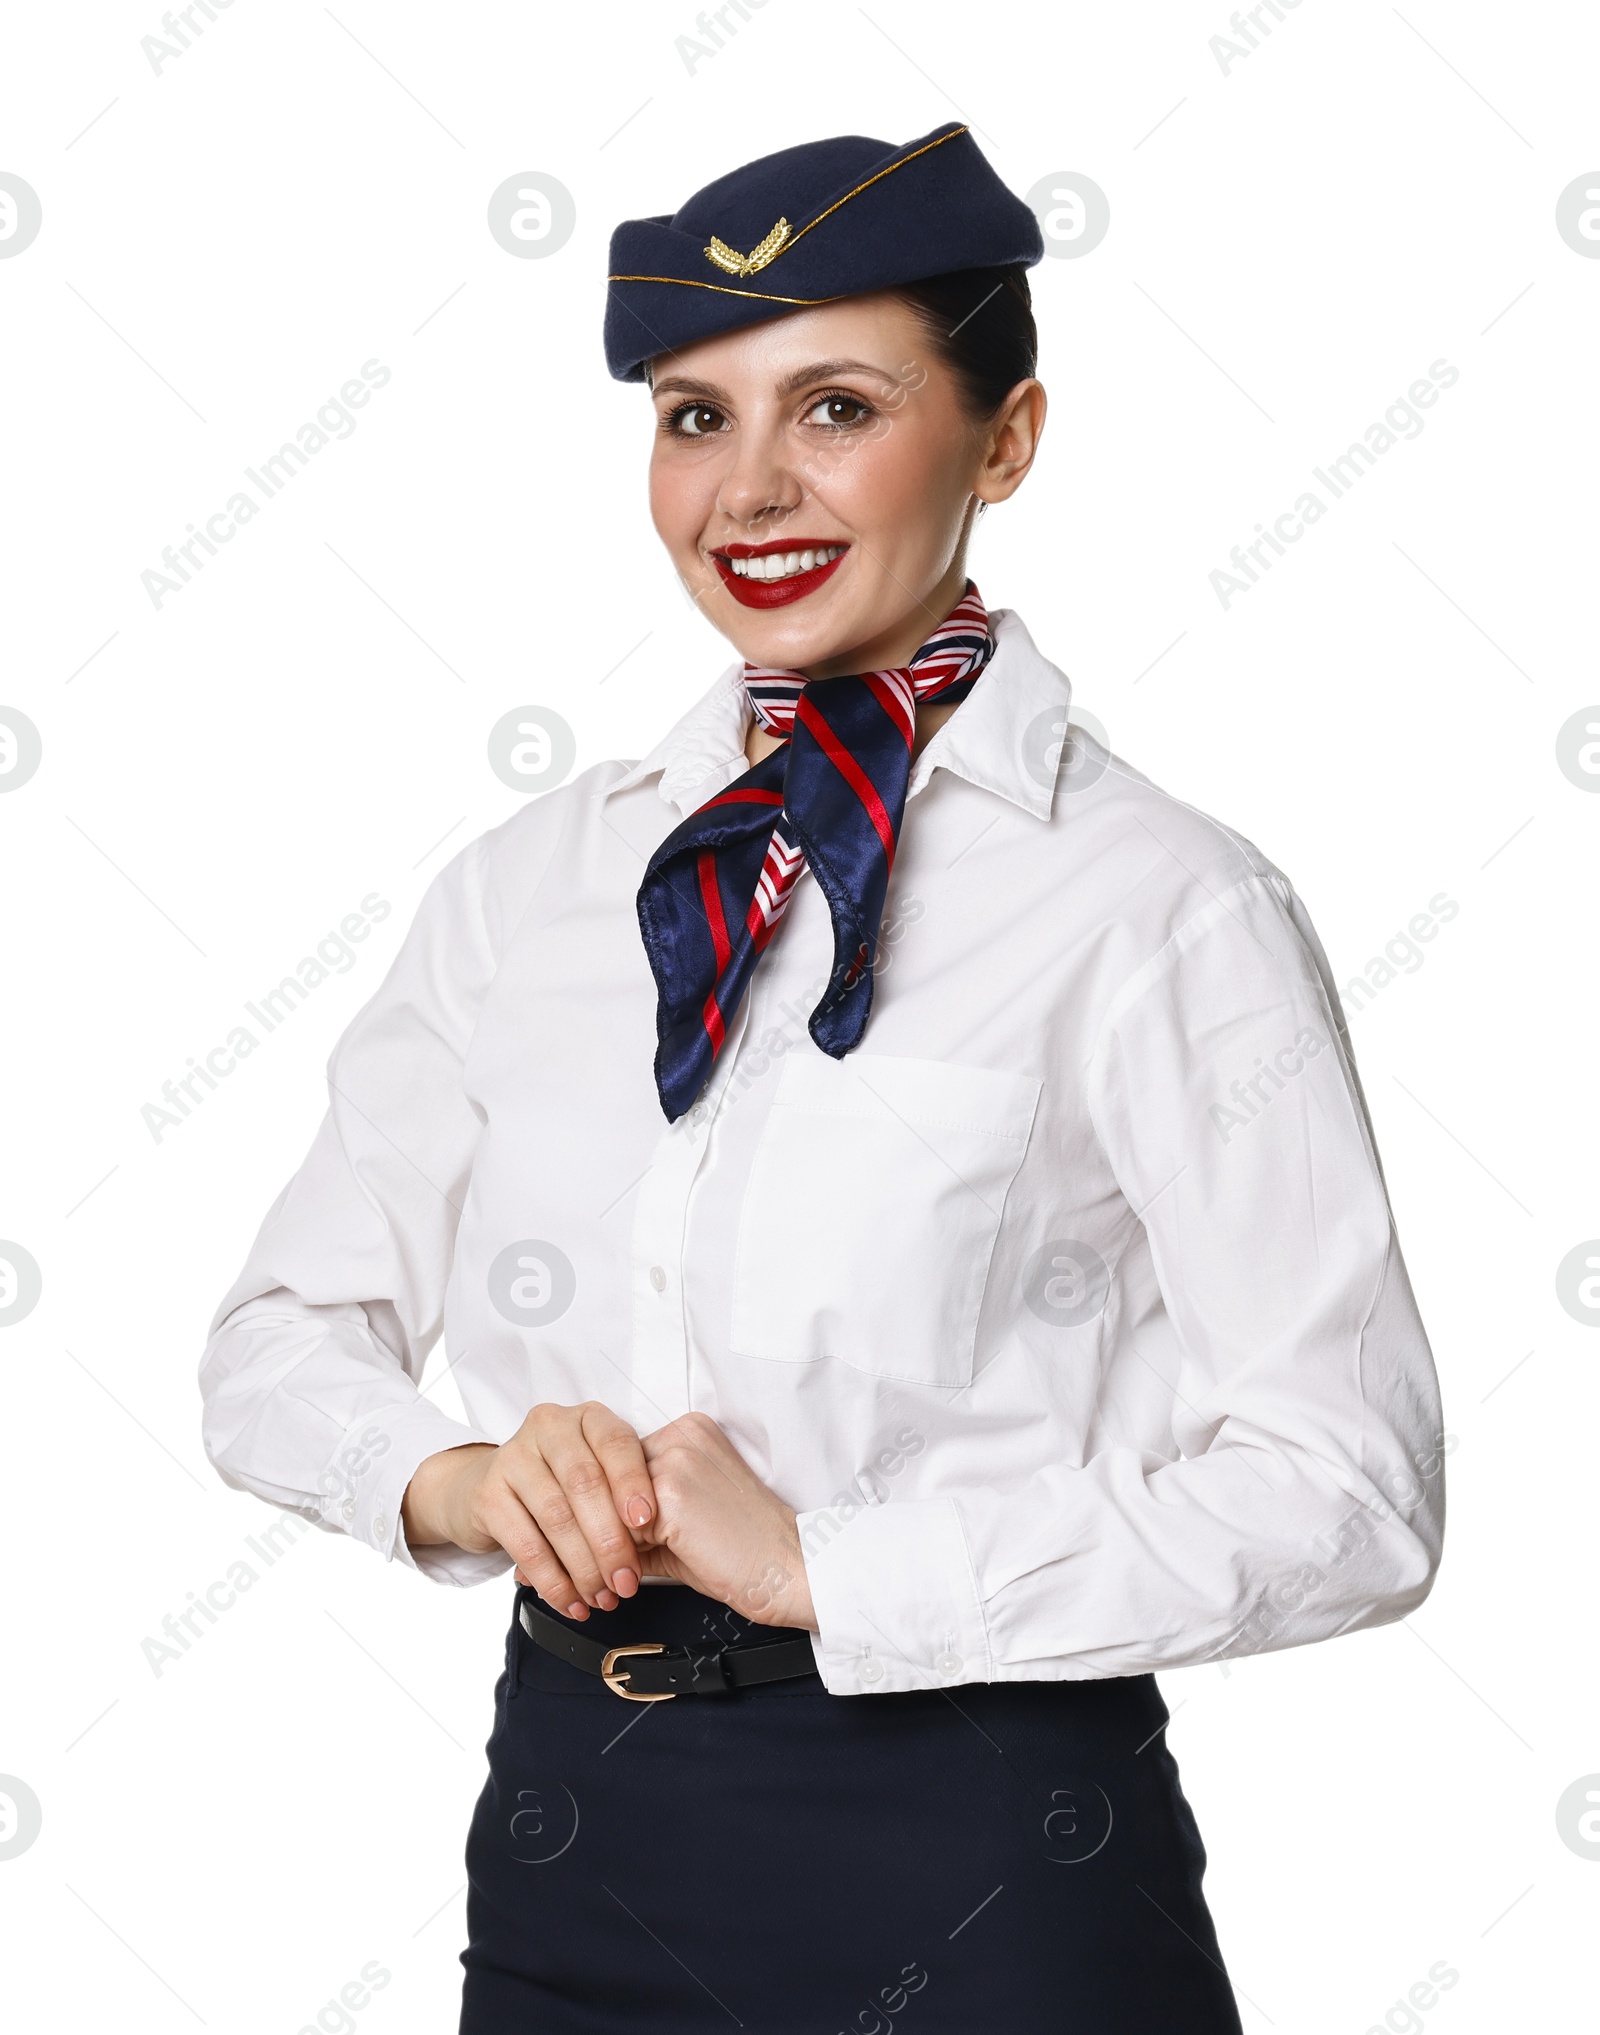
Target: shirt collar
x,y
1005,735
1013,717
700,753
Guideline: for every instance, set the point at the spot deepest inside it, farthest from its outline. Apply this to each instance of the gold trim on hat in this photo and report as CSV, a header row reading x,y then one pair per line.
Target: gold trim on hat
x,y
688,283
780,240
900,165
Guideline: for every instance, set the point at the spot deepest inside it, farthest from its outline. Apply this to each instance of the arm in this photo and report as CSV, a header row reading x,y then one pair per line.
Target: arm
x,y
310,1377
1303,1496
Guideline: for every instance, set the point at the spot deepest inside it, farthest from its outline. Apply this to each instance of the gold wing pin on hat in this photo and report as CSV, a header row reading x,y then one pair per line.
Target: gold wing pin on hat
x,y
737,264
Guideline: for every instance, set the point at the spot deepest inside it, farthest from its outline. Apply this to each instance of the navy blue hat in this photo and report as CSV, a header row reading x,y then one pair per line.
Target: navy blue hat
x,y
805,226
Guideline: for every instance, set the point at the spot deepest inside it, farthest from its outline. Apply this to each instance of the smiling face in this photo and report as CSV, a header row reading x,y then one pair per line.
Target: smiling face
x,y
815,480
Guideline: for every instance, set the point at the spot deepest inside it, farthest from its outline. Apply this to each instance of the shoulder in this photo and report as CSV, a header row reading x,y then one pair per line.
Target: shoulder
x,y
1139,874
1194,896
1112,828
495,877
1178,853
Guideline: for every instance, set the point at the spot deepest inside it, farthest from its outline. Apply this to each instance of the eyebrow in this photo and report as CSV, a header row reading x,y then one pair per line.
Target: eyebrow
x,y
814,371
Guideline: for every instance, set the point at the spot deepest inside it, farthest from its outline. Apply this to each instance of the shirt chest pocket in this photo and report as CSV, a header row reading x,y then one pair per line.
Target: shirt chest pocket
x,y
871,1214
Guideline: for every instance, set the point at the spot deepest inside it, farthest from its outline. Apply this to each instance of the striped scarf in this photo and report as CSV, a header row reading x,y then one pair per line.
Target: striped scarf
x,y
831,798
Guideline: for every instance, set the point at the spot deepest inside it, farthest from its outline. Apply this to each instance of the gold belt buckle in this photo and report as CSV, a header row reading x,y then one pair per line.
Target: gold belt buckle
x,y
614,1681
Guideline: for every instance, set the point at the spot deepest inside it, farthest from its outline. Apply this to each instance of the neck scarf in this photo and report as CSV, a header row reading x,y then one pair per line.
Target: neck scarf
x,y
832,798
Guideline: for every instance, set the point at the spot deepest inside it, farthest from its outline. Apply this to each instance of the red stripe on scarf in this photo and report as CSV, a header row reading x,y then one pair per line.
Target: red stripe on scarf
x,y
894,705
711,897
750,798
852,773
759,926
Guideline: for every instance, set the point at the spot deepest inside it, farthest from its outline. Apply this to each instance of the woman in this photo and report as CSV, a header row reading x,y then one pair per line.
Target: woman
x,y
950,1345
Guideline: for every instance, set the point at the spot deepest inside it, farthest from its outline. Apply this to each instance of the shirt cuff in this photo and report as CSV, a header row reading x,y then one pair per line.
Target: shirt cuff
x,y
360,1490
896,1598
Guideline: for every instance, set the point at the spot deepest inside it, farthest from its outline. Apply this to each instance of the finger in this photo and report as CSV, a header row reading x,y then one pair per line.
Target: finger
x,y
661,1561
537,1563
620,1453
555,1513
695,1439
549,1448
586,1482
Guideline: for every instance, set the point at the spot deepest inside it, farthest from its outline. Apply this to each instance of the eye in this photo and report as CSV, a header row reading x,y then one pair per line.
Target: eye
x,y
696,420
838,410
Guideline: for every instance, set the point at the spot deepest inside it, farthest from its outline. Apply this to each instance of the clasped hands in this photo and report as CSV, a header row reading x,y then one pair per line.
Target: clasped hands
x,y
585,1507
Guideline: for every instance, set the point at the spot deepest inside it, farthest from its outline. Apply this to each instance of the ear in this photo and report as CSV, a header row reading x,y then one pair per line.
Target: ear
x,y
1011,441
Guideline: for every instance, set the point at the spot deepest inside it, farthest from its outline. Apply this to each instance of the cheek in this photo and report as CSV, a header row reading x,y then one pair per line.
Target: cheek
x,y
901,489
682,496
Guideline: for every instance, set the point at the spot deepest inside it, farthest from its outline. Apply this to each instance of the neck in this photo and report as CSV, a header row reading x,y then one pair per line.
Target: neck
x,y
889,651
897,646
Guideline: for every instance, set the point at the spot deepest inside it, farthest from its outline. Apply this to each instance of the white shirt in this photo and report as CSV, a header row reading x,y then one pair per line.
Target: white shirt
x,y
1067,1311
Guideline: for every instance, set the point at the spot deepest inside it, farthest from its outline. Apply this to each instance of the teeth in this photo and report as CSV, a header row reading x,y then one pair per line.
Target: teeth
x,y
785,564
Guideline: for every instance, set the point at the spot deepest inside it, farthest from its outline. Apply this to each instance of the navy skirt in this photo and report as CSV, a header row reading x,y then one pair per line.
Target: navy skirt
x,y
1012,1856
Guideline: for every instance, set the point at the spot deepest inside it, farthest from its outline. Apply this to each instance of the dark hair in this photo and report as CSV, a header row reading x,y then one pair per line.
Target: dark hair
x,y
980,324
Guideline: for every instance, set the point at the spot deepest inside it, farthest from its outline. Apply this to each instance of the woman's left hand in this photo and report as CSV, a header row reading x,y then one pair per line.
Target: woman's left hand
x,y
720,1530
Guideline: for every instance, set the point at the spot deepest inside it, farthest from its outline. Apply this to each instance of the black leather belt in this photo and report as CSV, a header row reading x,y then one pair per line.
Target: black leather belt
x,y
654,1673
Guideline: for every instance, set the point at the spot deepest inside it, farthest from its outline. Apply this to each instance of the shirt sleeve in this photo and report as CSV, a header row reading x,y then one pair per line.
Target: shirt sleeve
x,y
1303,1496
310,1376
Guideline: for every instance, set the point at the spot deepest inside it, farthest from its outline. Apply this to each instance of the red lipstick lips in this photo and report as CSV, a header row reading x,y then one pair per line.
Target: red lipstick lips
x,y
773,593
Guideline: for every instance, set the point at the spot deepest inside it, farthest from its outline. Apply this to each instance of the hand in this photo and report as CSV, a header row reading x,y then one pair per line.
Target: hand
x,y
720,1530
566,1497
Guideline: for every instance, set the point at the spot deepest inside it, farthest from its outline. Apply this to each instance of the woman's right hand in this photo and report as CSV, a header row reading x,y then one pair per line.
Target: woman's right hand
x,y
565,1497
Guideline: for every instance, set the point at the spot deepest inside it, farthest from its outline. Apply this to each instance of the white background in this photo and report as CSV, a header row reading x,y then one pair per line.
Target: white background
x,y
1292,243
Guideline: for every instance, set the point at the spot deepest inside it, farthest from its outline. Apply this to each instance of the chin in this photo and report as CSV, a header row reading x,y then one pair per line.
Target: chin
x,y
815,632
806,633
792,641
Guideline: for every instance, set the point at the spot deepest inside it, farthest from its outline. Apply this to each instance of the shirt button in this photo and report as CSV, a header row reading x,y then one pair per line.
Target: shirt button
x,y
871,1670
949,1664
348,1509
380,1527
658,1278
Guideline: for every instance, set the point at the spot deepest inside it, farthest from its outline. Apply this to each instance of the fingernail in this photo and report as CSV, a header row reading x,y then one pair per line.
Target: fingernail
x,y
639,1512
625,1582
577,1610
606,1599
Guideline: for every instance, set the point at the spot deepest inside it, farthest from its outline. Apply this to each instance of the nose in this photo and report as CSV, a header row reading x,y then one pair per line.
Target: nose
x,y
760,488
